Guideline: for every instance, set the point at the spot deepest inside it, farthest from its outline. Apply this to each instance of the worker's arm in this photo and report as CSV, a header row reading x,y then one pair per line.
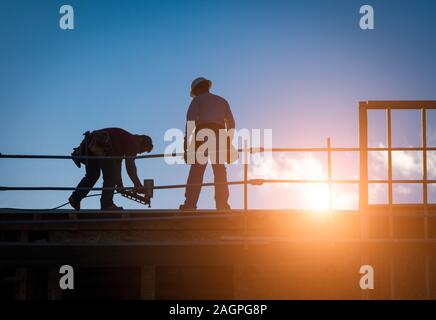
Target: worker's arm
x,y
230,121
191,118
132,172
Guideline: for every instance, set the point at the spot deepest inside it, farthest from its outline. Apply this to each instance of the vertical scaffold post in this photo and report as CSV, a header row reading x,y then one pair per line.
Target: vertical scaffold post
x,y
363,181
245,194
245,176
424,170
425,198
363,185
390,185
329,161
390,199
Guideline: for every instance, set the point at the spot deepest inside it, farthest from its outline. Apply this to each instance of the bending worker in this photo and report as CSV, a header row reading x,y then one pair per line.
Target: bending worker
x,y
108,142
207,111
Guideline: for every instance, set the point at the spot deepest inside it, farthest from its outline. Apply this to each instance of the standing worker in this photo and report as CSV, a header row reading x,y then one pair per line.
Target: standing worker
x,y
108,142
207,111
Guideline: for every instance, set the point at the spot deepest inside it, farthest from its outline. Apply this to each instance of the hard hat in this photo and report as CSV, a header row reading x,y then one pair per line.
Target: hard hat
x,y
196,82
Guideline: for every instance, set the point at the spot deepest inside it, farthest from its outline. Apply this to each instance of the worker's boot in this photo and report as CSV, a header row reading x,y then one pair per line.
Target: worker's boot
x,y
112,207
224,207
74,203
187,207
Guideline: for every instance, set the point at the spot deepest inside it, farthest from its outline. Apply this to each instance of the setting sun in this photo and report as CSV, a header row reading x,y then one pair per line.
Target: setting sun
x,y
311,196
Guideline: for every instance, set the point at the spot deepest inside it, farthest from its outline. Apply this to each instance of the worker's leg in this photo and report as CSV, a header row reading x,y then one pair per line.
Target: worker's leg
x,y
221,188
192,192
110,170
91,177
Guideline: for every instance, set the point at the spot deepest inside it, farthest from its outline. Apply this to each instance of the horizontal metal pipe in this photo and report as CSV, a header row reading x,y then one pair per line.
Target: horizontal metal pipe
x,y
59,157
172,155
255,182
175,186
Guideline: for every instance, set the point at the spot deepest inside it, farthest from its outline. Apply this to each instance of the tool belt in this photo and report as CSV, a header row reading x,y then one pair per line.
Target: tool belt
x,y
230,153
95,143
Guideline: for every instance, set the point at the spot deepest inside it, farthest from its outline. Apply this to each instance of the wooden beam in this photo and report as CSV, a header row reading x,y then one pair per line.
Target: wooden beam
x,y
380,104
363,145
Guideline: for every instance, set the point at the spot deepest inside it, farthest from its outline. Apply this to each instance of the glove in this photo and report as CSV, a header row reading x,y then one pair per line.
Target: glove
x,y
138,188
119,187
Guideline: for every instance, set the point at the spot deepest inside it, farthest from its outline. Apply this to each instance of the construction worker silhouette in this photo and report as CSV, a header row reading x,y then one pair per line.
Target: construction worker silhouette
x,y
206,111
108,142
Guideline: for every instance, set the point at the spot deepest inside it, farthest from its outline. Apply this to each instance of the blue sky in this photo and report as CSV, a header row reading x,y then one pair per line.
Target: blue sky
x,y
297,67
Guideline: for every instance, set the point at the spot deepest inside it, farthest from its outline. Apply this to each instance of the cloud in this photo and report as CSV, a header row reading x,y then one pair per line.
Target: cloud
x,y
406,165
312,196
288,167
403,189
431,165
377,193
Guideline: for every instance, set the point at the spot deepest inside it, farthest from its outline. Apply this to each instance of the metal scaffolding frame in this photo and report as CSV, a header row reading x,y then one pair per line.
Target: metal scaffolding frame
x,y
388,106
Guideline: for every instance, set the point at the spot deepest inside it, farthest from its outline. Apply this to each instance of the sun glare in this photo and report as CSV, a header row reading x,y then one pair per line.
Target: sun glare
x,y
311,196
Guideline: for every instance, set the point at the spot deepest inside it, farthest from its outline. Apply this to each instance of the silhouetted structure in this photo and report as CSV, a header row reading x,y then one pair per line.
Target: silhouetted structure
x,y
242,254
